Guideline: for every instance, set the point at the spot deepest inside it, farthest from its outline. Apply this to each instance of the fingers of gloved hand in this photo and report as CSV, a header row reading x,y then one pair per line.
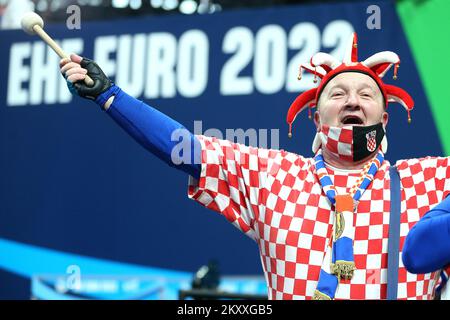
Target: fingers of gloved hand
x,y
63,62
75,70
68,66
76,58
76,77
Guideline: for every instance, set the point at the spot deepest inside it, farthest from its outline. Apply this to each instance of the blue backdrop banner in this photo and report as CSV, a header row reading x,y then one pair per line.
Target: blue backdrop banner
x,y
73,182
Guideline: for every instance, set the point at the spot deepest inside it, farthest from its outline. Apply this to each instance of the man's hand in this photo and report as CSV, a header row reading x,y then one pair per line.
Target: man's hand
x,y
75,70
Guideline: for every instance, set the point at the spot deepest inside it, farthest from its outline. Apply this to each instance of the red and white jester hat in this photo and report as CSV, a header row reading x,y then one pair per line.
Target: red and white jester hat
x,y
326,67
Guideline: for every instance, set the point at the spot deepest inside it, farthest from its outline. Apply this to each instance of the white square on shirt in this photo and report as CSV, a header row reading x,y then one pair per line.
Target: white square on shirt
x,y
304,241
222,201
362,219
267,264
373,261
266,231
288,285
324,203
316,257
386,216
343,291
234,193
296,224
271,201
373,291
274,281
276,217
281,236
359,277
211,184
231,168
409,192
253,165
320,229
272,249
303,197
418,177
422,200
311,286
410,277
402,292
360,246
376,232
404,229
290,253
376,206
289,209
281,175
413,215
430,184
254,195
301,270
281,266
419,286
310,213
284,192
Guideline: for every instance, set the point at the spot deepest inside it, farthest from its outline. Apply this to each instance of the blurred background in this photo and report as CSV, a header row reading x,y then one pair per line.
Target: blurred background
x,y
86,213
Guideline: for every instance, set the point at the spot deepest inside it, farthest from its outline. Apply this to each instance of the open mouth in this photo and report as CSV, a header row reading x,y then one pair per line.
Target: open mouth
x,y
352,120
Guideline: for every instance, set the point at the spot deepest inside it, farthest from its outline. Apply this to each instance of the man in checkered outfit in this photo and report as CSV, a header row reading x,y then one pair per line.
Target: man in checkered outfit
x,y
321,223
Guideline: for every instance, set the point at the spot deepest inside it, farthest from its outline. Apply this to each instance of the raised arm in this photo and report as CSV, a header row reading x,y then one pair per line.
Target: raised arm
x,y
427,245
154,130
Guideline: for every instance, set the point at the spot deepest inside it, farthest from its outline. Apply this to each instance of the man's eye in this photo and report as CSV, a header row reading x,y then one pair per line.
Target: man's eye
x,y
337,94
366,95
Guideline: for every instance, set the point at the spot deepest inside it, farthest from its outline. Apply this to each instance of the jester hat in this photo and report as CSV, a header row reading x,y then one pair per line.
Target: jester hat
x,y
326,67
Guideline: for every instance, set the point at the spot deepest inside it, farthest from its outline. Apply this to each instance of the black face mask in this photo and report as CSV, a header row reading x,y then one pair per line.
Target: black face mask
x,y
360,144
366,140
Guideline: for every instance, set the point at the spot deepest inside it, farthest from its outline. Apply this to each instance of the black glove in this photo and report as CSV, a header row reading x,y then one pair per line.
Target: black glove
x,y
101,81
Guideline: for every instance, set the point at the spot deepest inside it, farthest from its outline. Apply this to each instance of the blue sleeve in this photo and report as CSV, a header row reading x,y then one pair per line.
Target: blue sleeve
x,y
427,245
156,132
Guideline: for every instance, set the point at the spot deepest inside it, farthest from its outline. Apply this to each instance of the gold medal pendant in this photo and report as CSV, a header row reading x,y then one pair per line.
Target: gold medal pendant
x,y
344,207
344,202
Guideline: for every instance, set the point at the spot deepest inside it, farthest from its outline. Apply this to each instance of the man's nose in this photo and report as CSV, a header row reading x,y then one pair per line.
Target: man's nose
x,y
353,101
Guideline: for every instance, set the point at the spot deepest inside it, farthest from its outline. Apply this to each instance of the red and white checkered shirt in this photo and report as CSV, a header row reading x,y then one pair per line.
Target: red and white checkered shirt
x,y
275,198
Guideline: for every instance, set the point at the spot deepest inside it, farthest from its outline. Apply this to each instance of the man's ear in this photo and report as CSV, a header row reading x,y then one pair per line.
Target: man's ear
x,y
385,119
317,120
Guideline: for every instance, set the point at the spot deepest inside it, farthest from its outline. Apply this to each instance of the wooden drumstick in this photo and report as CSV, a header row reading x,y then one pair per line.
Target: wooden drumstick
x,y
32,24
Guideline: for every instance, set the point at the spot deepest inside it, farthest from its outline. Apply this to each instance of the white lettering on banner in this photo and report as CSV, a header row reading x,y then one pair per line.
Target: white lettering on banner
x,y
304,37
104,47
335,35
162,48
269,51
130,70
270,59
238,40
44,73
160,79
192,66
19,73
160,65
37,81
